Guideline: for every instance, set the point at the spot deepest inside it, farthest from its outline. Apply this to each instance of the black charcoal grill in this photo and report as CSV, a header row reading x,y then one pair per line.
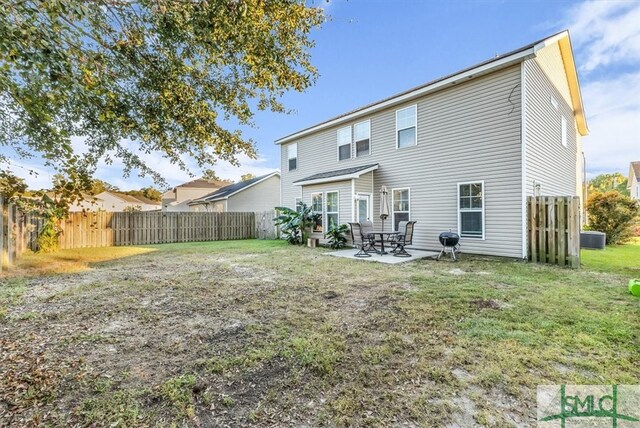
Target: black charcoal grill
x,y
450,244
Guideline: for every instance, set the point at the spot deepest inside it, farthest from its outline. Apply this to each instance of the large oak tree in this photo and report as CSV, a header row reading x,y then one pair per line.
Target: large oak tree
x,y
141,76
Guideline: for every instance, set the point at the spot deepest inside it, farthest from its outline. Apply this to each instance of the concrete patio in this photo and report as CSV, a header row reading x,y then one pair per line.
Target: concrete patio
x,y
387,258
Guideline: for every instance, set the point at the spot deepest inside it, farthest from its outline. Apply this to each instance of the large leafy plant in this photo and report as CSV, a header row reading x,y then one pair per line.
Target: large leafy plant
x,y
296,224
337,235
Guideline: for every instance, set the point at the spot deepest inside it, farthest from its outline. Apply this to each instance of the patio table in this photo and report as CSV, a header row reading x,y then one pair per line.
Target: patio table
x,y
382,234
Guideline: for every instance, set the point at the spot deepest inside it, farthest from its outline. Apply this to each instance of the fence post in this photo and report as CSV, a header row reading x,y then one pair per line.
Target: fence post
x,y
2,234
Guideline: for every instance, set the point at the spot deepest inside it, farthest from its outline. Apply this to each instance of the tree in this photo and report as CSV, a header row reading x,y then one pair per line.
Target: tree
x,y
99,186
246,177
148,192
613,214
141,76
607,182
212,176
11,185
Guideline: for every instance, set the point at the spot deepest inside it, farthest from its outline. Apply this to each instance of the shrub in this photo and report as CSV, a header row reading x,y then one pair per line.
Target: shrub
x,y
296,224
336,235
613,214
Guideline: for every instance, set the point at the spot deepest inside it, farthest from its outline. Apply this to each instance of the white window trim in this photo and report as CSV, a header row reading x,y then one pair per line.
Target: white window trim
x,y
338,145
563,131
355,142
311,195
393,211
327,212
415,125
369,205
289,146
295,203
484,203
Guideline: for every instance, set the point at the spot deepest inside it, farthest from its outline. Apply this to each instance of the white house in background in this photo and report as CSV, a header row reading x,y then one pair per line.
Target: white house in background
x,y
88,203
255,195
113,201
633,183
178,198
460,153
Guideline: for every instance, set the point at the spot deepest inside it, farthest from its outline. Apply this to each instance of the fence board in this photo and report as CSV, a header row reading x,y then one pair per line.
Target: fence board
x,y
554,230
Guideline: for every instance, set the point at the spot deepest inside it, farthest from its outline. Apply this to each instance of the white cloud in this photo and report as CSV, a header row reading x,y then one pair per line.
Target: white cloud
x,y
606,41
606,33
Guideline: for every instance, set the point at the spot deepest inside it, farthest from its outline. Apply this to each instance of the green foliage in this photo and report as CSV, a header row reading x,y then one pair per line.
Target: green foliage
x,y
99,186
211,176
296,224
246,177
179,391
337,235
147,192
134,77
11,185
613,214
608,182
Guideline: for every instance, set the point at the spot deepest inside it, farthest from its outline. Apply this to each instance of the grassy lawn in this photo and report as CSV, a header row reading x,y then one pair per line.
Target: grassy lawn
x,y
265,334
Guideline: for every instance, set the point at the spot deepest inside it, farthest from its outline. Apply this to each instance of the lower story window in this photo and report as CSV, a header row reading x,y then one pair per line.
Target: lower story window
x,y
332,210
401,206
299,204
316,208
471,210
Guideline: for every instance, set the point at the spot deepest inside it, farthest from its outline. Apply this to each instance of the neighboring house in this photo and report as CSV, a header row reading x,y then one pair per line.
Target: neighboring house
x,y
88,203
178,198
114,201
633,183
255,195
460,153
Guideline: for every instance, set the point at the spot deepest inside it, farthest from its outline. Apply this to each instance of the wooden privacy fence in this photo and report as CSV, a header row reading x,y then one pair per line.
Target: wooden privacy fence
x,y
104,229
554,230
19,231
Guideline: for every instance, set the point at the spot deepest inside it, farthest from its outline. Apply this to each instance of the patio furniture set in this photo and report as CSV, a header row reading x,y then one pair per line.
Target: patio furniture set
x,y
368,240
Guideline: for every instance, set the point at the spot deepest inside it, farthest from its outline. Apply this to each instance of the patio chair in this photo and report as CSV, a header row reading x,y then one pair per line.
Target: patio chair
x,y
361,239
404,237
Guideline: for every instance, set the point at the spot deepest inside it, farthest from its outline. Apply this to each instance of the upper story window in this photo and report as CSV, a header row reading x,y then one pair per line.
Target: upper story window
x,y
362,132
564,131
406,124
344,143
292,156
471,210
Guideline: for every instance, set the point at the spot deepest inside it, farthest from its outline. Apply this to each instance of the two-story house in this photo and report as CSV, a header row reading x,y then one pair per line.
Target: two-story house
x,y
459,153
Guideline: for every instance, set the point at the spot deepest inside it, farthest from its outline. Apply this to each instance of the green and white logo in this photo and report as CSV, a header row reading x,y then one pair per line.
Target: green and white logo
x,y
593,406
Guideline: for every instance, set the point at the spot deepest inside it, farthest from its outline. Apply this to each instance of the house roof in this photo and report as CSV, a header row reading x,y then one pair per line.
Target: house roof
x,y
203,183
337,175
493,64
131,198
227,191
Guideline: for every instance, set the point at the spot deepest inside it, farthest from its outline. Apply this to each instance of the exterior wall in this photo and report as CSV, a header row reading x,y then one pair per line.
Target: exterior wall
x,y
466,132
344,189
263,196
178,198
555,168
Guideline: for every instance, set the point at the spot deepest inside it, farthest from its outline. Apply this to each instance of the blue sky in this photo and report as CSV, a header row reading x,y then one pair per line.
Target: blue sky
x,y
370,49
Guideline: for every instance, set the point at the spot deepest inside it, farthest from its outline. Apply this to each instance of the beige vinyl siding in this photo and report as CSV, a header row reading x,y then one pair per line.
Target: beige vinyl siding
x,y
550,60
263,196
466,132
344,199
548,162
